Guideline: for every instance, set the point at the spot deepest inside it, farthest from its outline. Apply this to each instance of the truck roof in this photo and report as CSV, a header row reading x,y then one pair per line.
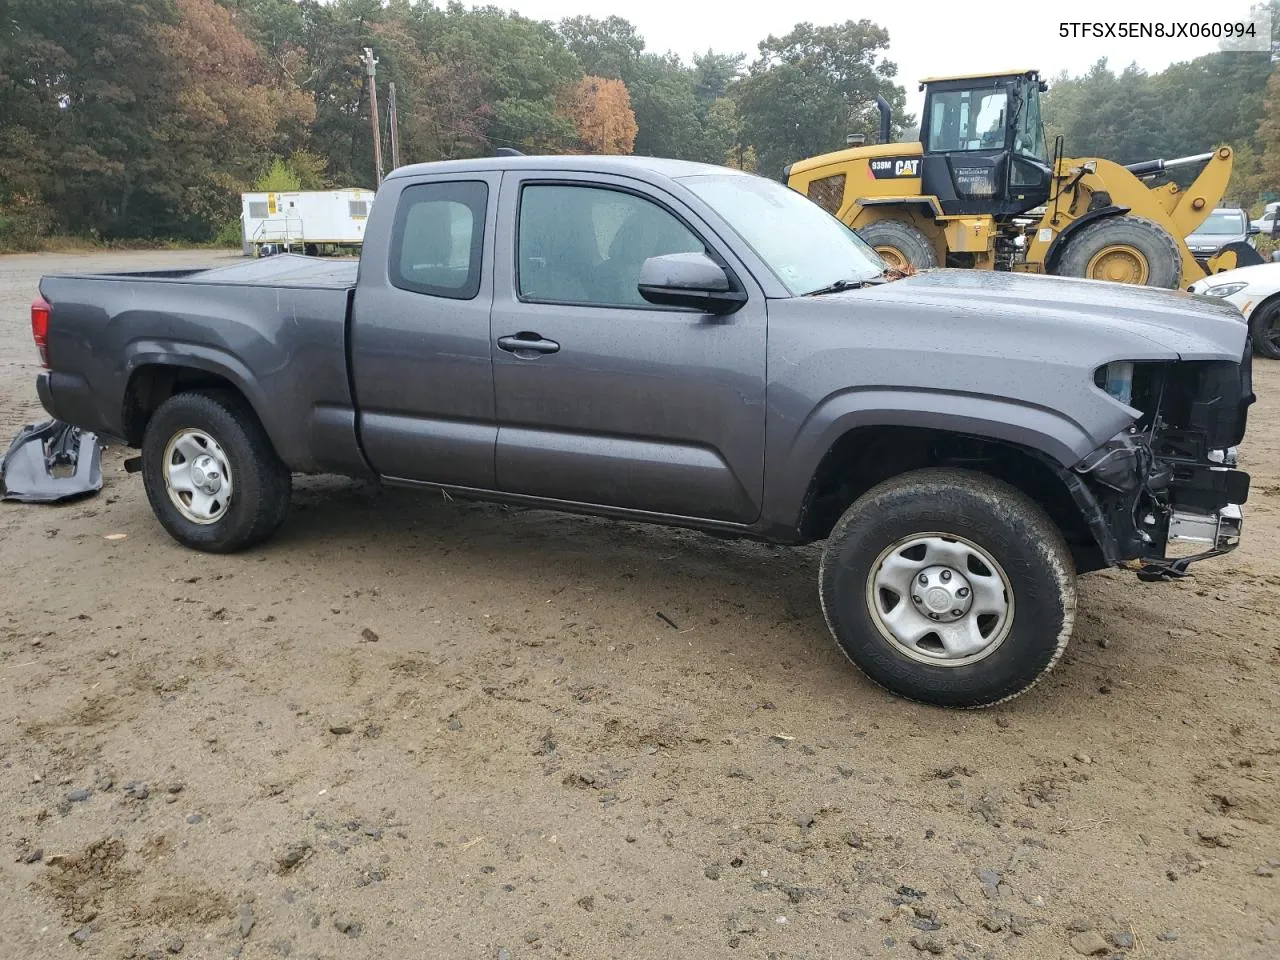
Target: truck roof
x,y
582,163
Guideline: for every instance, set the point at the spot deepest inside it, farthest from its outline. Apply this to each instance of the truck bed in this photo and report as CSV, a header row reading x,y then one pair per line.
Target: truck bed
x,y
275,328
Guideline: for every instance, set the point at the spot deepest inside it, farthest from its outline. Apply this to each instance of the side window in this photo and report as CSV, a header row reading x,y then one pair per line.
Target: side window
x,y
438,238
580,244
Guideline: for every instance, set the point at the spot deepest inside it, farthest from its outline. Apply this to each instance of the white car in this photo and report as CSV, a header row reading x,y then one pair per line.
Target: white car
x,y
1255,292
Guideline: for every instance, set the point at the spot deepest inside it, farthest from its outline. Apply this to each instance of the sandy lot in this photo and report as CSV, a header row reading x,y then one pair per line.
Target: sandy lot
x,y
410,727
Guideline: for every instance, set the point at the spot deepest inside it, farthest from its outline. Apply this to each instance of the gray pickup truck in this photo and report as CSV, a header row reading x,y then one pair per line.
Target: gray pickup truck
x,y
670,342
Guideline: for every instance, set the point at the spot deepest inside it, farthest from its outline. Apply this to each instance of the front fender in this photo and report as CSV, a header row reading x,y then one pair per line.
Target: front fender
x,y
792,463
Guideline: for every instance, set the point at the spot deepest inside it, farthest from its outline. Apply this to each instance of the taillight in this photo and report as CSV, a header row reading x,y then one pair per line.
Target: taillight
x,y
40,311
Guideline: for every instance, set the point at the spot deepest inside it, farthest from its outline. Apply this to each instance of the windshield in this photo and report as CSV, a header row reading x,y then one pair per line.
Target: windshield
x,y
1223,224
967,120
801,243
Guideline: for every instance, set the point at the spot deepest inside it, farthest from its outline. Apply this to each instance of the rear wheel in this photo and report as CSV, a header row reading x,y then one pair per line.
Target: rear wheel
x,y
1264,326
899,244
212,477
1131,250
949,587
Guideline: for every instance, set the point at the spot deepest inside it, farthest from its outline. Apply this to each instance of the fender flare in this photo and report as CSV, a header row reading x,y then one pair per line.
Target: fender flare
x,y
1047,434
1059,242
207,359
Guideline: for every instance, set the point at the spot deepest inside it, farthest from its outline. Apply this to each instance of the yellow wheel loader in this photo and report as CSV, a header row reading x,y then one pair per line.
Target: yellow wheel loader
x,y
980,190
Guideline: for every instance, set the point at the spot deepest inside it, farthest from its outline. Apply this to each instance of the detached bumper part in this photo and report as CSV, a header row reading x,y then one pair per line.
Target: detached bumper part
x,y
1215,533
49,462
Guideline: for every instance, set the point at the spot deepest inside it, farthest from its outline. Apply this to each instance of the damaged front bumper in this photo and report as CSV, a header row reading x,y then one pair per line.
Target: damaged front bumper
x,y
1206,535
1165,493
1158,504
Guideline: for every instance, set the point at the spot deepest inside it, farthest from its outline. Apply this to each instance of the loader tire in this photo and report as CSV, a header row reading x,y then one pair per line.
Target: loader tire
x,y
900,244
1131,250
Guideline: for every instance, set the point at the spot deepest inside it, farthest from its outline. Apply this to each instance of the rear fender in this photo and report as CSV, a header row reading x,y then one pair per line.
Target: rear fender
x,y
195,356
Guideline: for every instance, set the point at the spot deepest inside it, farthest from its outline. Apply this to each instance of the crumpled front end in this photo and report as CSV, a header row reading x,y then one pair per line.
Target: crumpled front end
x,y
1165,493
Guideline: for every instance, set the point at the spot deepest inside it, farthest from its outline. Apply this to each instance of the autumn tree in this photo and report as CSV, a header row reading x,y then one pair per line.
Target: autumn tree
x,y
601,112
225,116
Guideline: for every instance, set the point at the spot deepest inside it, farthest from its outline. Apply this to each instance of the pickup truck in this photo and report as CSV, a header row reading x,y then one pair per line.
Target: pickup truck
x,y
690,345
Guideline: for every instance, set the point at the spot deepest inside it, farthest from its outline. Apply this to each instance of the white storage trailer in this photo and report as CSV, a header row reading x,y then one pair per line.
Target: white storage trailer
x,y
304,221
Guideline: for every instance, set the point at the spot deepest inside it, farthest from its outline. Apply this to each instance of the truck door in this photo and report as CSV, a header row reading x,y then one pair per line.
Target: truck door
x,y
603,398
420,331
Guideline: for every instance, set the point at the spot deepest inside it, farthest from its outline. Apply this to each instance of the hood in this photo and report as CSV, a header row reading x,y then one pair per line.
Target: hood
x,y
1215,240
1266,273
1188,325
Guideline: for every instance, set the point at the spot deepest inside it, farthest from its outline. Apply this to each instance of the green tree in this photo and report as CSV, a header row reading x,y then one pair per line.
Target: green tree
x,y
666,108
810,88
79,109
608,48
714,73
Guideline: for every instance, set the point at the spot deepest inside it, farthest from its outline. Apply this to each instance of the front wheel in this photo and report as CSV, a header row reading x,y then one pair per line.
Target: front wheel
x,y
949,587
212,477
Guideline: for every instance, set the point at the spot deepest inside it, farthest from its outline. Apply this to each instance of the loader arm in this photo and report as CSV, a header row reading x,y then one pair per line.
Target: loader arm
x,y
1191,207
1097,183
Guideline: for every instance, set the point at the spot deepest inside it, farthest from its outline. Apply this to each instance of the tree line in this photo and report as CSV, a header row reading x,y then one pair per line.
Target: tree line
x,y
147,118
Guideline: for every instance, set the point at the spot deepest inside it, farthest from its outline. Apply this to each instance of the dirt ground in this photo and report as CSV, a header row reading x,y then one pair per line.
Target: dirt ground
x,y
412,727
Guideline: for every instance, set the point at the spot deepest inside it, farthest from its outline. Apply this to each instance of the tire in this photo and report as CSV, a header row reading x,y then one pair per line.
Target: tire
x,y
1145,249
896,240
216,433
1264,327
1025,558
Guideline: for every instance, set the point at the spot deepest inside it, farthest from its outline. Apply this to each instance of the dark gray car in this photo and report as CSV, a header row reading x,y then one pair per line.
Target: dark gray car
x,y
690,345
1224,226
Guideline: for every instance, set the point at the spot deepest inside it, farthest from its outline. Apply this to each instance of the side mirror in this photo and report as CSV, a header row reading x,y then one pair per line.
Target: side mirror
x,y
1254,231
689,280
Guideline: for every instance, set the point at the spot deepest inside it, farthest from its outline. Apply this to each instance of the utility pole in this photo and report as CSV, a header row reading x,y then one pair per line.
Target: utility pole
x,y
393,121
371,70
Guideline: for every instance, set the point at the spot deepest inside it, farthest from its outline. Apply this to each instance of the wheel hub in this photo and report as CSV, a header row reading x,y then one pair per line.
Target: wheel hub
x,y
197,476
942,594
940,599
894,257
1119,263
206,475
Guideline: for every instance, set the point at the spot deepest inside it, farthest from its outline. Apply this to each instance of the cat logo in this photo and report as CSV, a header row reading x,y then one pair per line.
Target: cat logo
x,y
895,168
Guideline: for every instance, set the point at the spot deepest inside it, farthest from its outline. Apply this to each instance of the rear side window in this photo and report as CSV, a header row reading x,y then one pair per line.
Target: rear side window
x,y
438,238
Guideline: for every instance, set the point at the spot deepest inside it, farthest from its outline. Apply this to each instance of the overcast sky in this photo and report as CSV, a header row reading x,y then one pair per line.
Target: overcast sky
x,y
927,37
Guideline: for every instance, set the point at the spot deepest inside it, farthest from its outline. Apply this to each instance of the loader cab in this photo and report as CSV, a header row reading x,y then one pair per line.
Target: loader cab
x,y
984,144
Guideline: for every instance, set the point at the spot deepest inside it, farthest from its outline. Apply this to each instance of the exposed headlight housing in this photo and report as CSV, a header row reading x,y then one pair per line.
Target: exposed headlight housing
x,y
1224,290
1116,379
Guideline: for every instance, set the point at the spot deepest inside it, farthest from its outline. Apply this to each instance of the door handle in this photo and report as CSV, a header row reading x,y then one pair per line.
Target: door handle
x,y
528,345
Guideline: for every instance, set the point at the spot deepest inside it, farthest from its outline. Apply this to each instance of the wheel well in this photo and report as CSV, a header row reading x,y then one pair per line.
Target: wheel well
x,y
1262,305
1054,253
153,384
866,456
